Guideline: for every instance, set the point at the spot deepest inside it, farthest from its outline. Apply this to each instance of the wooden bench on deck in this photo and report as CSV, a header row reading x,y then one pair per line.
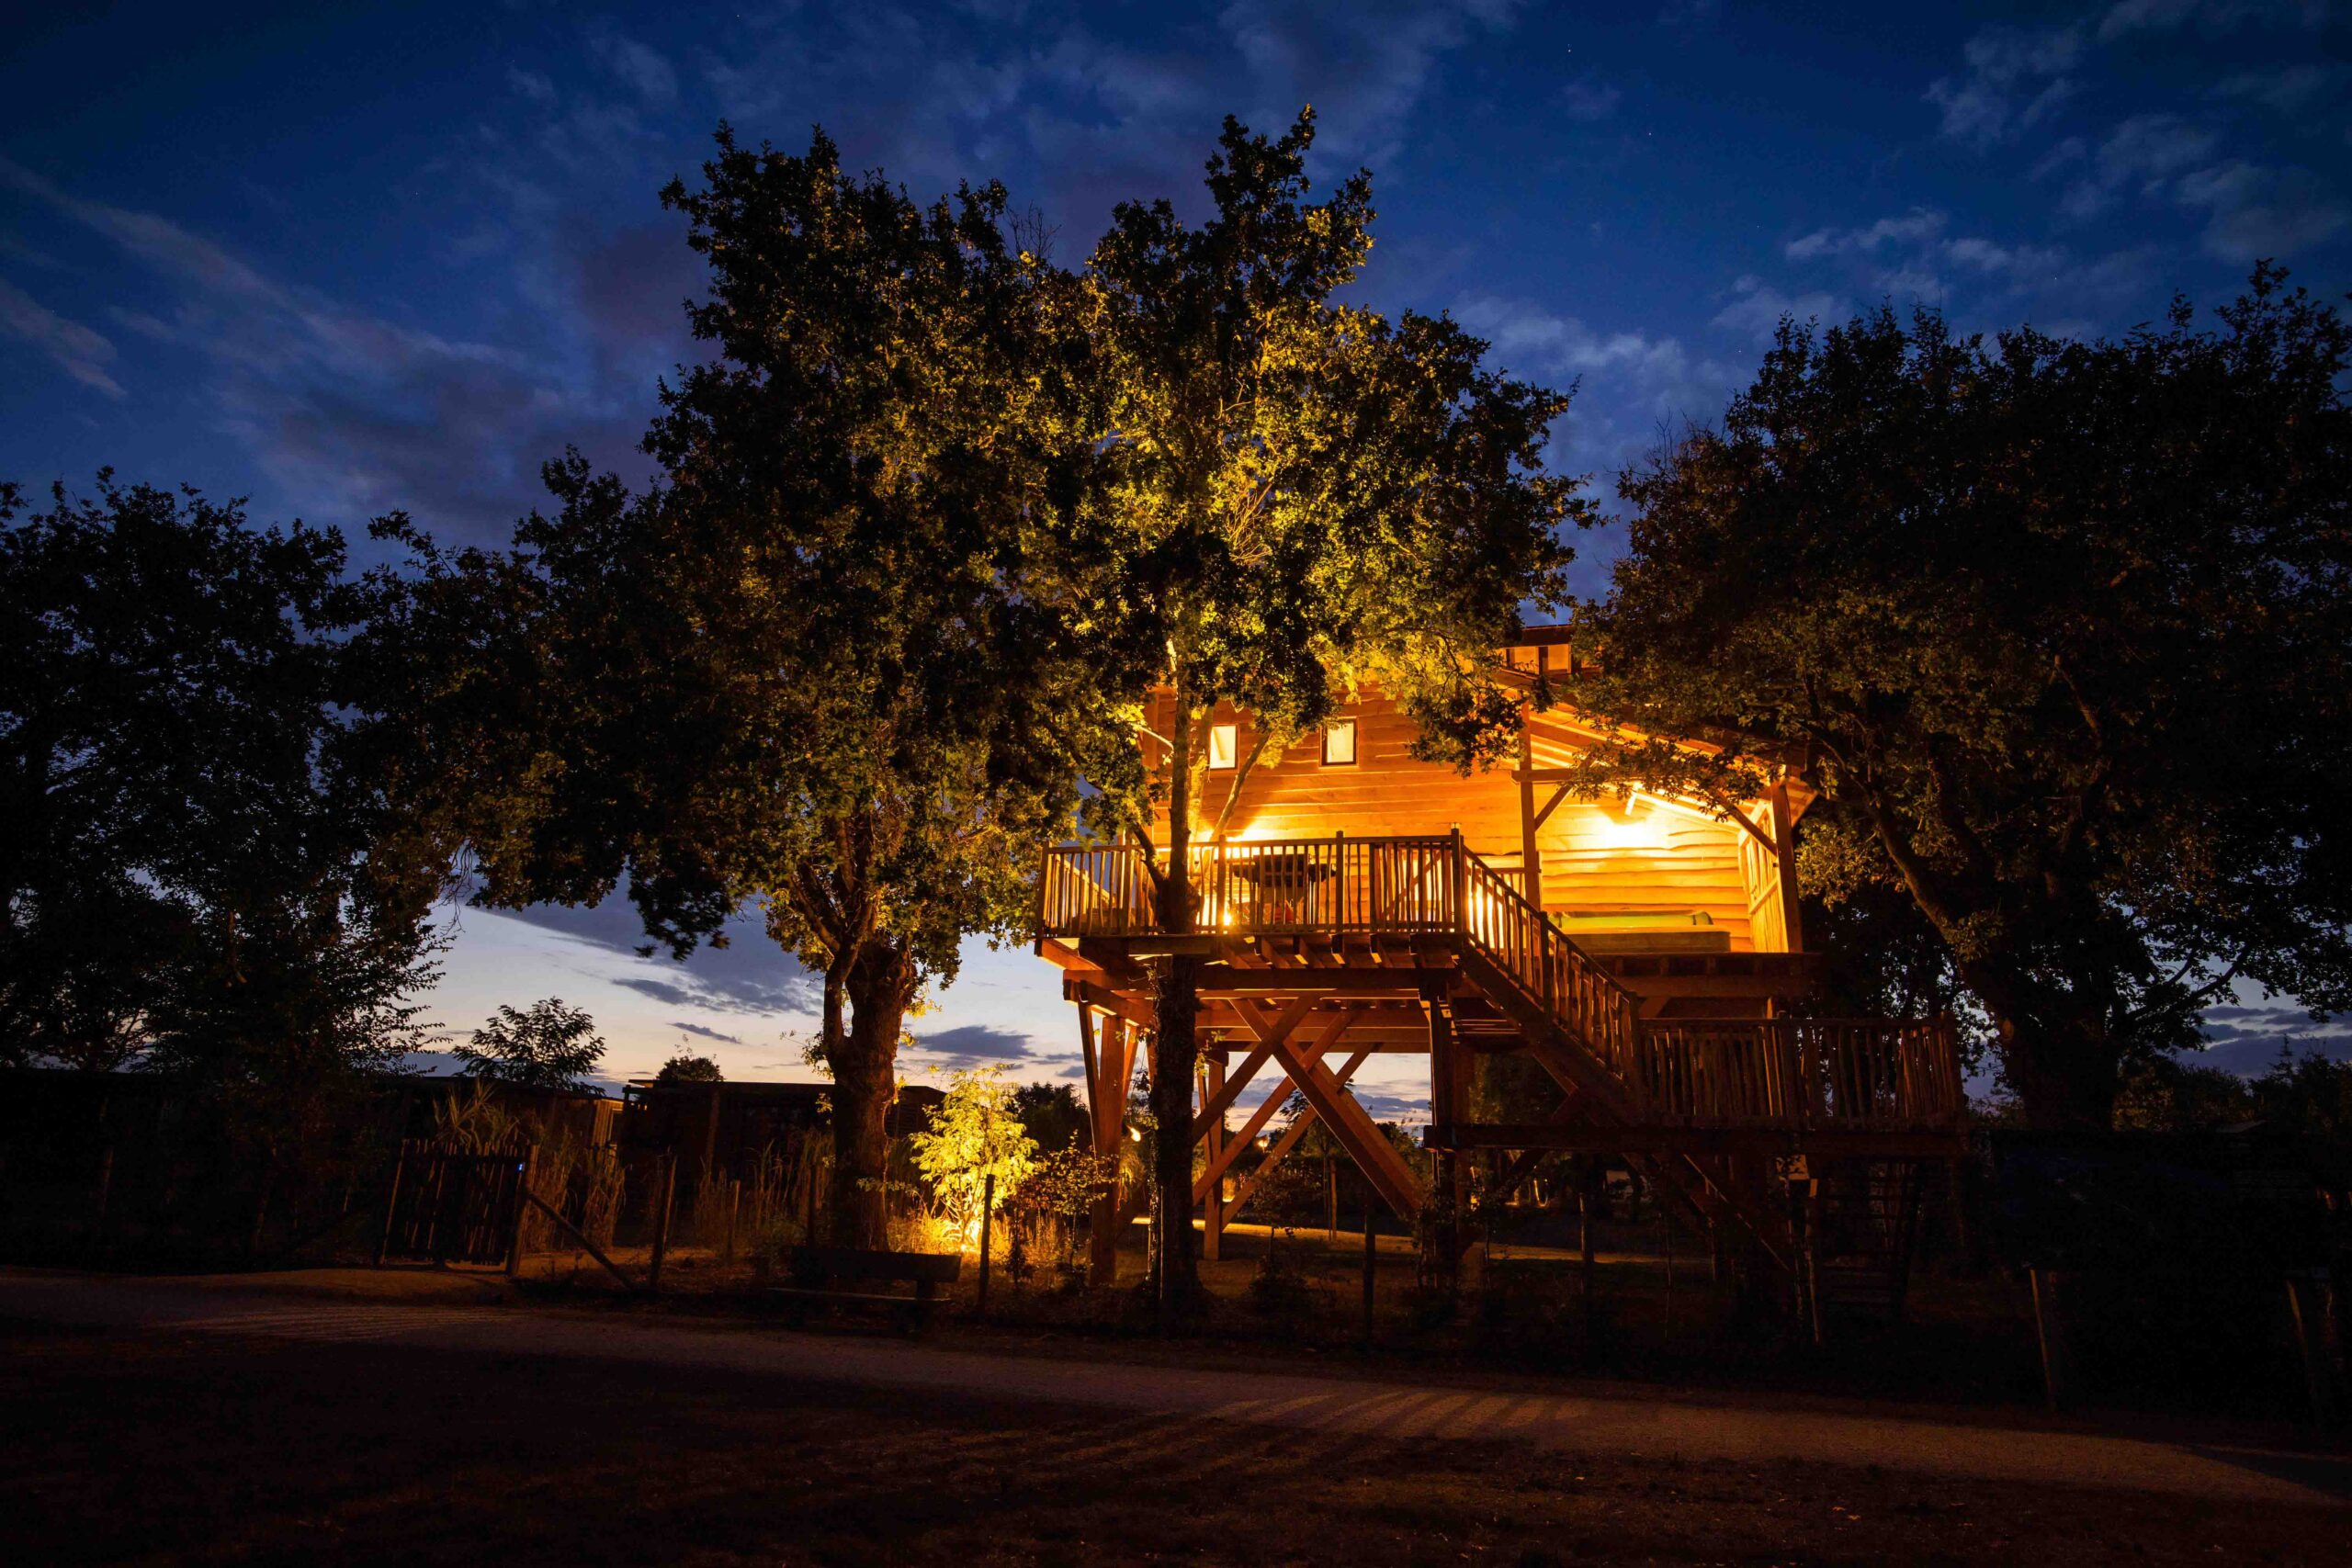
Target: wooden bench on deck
x,y
817,1274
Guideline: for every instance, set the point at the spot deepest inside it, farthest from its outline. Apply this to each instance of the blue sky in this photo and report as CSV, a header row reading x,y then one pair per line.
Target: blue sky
x,y
346,259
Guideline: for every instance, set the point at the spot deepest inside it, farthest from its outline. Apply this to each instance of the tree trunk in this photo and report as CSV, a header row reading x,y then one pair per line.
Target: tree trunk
x,y
1174,1058
879,984
1175,1054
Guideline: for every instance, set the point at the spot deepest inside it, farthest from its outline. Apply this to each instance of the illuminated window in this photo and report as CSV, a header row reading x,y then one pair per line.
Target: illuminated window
x,y
1221,745
1339,743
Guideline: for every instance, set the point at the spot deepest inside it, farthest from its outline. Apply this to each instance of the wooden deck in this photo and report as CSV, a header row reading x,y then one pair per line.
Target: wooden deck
x,y
1420,945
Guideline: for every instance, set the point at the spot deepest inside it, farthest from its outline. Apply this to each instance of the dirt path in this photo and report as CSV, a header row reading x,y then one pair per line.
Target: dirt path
x,y
1681,1429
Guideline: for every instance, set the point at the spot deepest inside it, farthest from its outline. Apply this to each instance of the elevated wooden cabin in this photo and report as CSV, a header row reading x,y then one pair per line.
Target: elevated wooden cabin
x,y
1647,953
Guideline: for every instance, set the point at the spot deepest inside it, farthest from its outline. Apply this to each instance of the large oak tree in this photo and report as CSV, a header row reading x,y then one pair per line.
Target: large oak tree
x,y
806,671
1302,494
2059,627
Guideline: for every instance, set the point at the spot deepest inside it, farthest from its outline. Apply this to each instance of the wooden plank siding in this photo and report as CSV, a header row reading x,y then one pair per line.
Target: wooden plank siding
x,y
1597,859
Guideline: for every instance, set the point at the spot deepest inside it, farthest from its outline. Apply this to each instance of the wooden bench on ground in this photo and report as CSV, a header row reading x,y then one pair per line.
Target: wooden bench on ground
x,y
819,1274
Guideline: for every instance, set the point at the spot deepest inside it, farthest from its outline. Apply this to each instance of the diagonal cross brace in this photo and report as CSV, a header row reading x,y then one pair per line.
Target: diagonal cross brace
x,y
1291,1135
1381,1164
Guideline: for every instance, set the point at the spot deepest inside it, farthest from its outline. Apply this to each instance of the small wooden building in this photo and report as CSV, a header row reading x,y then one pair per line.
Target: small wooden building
x,y
1646,954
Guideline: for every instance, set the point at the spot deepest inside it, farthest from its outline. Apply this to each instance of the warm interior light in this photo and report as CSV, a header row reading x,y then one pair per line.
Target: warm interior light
x,y
1222,747
1631,830
1339,743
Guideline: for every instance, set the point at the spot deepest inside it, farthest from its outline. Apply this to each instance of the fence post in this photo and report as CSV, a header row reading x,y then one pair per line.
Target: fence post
x,y
392,1203
2306,1310
1369,1264
522,1212
987,1216
661,1222
2050,1324
105,1190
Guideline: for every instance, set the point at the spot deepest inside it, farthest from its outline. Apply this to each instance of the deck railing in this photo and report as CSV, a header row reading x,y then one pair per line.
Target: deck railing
x,y
1552,971
1794,1074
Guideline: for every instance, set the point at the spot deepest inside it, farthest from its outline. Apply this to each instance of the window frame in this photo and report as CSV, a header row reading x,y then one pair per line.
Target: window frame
x,y
1231,735
1333,727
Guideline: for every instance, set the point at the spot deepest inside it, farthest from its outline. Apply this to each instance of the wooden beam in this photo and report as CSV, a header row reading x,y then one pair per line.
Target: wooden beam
x,y
1381,1164
1291,1135
1550,805
1531,862
1588,1138
1784,821
1225,980
1218,1165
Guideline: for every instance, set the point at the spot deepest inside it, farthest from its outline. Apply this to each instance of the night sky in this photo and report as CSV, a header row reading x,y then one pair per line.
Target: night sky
x,y
344,260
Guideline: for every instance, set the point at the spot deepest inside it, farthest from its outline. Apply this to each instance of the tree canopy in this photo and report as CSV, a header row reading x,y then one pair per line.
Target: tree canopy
x,y
804,670
190,873
1301,494
546,1045
2058,628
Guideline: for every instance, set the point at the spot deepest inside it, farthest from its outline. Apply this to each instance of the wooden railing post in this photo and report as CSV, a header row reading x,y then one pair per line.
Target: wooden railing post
x,y
1459,887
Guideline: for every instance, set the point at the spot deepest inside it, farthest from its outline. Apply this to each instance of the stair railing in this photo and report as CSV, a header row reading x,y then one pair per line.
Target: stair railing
x,y
1520,940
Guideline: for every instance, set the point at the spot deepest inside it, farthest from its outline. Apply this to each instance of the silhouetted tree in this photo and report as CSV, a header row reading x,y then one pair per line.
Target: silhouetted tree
x,y
2059,627
1052,1115
190,870
684,1066
548,1045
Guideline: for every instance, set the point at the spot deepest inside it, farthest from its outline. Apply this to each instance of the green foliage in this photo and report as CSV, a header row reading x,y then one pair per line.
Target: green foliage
x,y
192,873
974,1135
684,1066
2059,626
1294,495
549,1046
1066,1181
1301,493
1052,1115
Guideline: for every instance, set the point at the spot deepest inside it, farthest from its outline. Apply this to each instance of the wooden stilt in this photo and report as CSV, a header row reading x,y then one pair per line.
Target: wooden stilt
x,y
2050,1327
1213,1201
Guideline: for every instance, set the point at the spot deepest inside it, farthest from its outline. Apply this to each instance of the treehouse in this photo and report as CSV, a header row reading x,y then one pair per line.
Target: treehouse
x,y
1644,954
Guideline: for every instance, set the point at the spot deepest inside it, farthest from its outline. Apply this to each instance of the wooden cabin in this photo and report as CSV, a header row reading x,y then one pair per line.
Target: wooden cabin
x,y
1647,953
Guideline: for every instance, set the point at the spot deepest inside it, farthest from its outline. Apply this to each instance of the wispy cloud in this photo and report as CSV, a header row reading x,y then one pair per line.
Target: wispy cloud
x,y
1588,99
2288,89
2015,78
1911,255
2129,17
354,412
1915,227
974,1043
643,71
2141,153
83,353
1756,309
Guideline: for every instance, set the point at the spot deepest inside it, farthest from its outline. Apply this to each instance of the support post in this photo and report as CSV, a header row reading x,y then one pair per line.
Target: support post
x,y
1784,850
98,1202
664,1189
2050,1325
1106,1090
2307,1309
391,1204
1530,878
1370,1264
524,1179
1213,1204
987,1234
